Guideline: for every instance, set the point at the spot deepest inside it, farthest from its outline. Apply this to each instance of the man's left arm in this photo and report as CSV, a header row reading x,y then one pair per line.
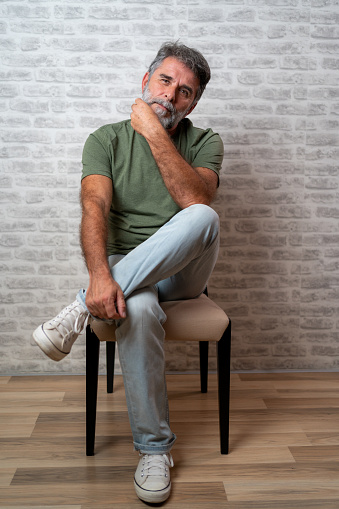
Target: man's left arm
x,y
187,185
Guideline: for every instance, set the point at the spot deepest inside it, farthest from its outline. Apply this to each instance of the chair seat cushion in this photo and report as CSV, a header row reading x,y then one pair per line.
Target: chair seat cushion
x,y
198,319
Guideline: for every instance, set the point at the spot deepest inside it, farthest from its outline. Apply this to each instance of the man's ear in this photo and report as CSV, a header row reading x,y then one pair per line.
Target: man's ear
x,y
144,80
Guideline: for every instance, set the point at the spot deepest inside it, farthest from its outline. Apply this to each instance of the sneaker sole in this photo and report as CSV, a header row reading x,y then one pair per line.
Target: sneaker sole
x,y
47,346
153,497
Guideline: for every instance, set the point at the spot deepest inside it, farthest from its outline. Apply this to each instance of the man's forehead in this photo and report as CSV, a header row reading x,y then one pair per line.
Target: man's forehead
x,y
173,67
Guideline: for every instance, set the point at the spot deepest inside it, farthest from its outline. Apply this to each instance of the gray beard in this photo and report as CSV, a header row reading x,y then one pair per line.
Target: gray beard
x,y
166,122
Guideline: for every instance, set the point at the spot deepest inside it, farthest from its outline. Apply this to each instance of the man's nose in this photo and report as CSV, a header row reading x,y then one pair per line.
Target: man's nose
x,y
170,95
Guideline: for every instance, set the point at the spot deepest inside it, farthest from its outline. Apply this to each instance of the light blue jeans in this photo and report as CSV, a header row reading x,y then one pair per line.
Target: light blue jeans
x,y
174,263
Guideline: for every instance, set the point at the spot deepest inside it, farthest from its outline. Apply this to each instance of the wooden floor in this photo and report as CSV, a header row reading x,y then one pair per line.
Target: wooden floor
x,y
284,444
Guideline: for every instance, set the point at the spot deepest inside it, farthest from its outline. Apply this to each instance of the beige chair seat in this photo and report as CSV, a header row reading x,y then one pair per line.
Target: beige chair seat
x,y
187,320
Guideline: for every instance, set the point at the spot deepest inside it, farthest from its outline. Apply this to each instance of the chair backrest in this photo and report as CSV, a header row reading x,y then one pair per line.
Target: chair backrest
x,y
198,319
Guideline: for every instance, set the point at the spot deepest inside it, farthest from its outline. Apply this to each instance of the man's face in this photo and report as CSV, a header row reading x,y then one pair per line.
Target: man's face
x,y
170,92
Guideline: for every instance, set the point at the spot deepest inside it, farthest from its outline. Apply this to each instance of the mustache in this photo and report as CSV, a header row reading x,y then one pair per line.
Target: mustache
x,y
169,106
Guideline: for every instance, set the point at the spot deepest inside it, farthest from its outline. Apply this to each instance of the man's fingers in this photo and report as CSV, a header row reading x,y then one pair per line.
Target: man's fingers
x,y
101,309
110,311
121,305
106,302
115,307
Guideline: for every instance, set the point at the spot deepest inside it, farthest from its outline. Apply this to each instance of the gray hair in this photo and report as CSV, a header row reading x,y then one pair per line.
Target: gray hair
x,y
190,57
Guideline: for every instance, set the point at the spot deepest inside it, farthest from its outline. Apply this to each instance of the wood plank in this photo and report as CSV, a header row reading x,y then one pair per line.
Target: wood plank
x,y
65,451
242,436
285,376
46,383
252,385
310,419
318,453
17,425
308,384
190,495
6,476
305,394
311,402
94,494
293,471
316,503
199,460
64,406
319,421
42,507
320,438
262,439
258,393
73,424
29,399
71,475
278,490
247,426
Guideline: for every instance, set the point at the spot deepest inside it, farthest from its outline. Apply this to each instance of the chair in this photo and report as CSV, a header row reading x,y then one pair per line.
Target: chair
x,y
197,319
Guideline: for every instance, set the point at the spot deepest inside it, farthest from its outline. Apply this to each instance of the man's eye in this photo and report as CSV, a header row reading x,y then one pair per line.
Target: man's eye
x,y
184,92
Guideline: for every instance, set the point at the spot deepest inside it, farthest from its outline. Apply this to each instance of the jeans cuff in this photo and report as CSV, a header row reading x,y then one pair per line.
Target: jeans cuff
x,y
155,449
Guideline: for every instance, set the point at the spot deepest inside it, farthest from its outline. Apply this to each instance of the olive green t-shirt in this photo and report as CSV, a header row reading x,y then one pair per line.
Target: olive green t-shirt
x,y
141,202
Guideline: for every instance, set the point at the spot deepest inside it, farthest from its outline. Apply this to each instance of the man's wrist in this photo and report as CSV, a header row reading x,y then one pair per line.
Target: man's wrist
x,y
100,273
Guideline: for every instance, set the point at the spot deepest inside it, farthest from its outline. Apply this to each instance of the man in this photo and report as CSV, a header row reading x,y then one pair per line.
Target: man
x,y
148,235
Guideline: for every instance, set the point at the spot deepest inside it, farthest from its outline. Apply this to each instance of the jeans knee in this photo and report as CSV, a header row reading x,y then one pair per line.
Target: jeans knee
x,y
143,308
141,331
205,216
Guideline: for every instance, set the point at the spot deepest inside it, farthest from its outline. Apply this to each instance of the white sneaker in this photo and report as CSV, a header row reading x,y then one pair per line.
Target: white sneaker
x,y
56,337
152,480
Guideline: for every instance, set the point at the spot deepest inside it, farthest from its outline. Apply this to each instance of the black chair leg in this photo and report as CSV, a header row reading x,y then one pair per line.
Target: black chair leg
x,y
224,374
92,371
110,358
203,352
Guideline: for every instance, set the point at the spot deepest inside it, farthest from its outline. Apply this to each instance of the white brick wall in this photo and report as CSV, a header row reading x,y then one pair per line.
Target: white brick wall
x,y
68,67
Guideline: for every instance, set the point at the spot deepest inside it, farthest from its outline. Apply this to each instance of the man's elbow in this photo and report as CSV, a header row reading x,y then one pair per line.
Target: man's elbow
x,y
205,199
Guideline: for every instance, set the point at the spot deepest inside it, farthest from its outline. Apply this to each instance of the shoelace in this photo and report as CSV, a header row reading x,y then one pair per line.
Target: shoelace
x,y
64,322
156,465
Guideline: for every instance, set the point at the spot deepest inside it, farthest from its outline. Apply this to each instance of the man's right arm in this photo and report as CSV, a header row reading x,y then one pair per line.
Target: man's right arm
x,y
104,297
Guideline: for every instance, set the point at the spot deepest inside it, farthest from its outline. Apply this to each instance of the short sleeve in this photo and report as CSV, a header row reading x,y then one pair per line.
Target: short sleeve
x,y
96,160
210,154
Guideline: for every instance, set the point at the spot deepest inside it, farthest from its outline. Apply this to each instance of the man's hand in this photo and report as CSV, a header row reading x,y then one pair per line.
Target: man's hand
x,y
144,120
105,299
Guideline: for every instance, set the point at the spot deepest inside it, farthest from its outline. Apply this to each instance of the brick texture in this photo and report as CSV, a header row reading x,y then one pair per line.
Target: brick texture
x,y
69,67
